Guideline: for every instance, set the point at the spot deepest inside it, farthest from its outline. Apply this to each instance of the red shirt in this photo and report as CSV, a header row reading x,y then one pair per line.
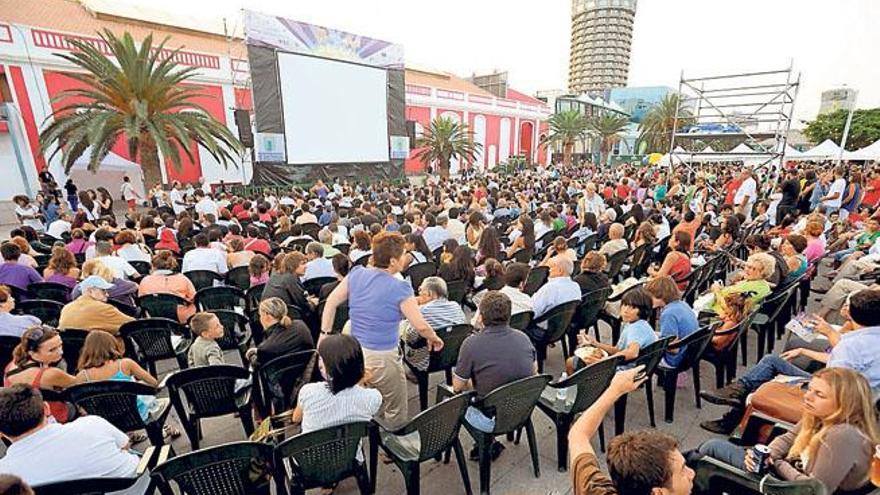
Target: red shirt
x,y
243,215
608,192
623,191
258,245
872,197
731,188
236,209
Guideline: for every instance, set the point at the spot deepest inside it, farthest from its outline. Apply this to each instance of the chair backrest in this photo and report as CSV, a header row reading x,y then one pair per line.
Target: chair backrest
x,y
239,277
115,401
452,338
342,247
615,263
713,476
209,390
522,255
151,337
311,229
536,278
254,295
221,297
202,278
363,260
313,285
558,320
50,290
7,345
234,328
456,290
46,310
299,244
772,305
161,305
522,320
650,355
125,308
438,426
142,267
696,344
591,382
638,255
512,404
72,342
589,242
321,457
281,378
590,306
341,315
417,272
18,294
238,468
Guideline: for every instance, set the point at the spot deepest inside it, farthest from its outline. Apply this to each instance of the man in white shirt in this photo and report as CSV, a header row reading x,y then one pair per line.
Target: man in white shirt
x,y
204,257
177,197
129,194
746,195
832,200
205,205
43,452
435,234
317,265
454,226
559,289
119,266
307,216
591,202
515,276
60,226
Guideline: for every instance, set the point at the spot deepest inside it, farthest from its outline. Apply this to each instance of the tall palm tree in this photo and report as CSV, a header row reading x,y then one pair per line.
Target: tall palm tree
x,y
141,95
607,127
566,128
445,140
655,130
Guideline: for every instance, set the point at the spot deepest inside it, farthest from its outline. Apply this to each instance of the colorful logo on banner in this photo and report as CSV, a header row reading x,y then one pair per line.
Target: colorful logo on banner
x,y
300,37
270,147
399,147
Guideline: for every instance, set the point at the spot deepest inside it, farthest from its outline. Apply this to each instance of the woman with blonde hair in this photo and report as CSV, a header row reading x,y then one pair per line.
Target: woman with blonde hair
x,y
283,335
592,276
834,441
62,268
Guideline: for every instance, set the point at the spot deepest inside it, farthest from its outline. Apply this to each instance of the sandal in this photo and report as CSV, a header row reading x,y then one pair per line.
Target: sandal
x,y
137,437
170,431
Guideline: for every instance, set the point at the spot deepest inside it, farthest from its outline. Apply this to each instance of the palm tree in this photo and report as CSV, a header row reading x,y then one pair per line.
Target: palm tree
x,y
143,96
566,128
445,140
607,127
655,130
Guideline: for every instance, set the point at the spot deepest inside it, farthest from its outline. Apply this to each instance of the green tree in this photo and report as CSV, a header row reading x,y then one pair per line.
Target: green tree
x,y
141,95
655,130
566,128
864,130
607,127
444,140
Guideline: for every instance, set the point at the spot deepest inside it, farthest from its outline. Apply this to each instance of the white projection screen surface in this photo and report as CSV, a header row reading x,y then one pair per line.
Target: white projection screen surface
x,y
334,112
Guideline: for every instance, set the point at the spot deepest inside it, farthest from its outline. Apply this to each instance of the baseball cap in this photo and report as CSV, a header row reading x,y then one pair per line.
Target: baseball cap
x,y
95,282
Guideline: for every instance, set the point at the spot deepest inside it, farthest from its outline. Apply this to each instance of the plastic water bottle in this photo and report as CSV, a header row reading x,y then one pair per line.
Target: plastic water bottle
x,y
562,393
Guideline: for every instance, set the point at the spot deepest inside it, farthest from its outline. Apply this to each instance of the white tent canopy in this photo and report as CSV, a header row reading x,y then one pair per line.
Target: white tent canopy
x,y
823,151
870,152
110,173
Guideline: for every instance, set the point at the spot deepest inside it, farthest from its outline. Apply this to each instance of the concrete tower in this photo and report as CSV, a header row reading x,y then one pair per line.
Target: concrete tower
x,y
601,37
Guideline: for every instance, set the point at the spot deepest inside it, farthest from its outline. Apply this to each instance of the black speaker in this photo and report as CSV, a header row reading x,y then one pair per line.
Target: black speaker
x,y
411,132
243,122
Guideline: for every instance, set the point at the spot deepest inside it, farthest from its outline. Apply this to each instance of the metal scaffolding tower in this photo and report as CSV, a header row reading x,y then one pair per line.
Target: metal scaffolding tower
x,y
749,108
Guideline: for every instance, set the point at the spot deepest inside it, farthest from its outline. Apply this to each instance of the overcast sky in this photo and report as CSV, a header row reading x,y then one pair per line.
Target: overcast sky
x,y
832,42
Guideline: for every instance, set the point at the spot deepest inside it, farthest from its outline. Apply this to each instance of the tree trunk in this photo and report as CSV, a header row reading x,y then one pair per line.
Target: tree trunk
x,y
443,168
566,153
150,165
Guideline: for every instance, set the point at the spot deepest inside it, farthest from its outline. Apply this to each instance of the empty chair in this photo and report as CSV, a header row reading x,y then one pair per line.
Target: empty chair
x,y
203,278
765,322
208,392
221,297
253,296
237,468
322,458
46,310
156,339
50,290
161,305
443,360
280,379
536,278
694,346
557,320
437,431
116,401
457,290
418,272
313,285
650,357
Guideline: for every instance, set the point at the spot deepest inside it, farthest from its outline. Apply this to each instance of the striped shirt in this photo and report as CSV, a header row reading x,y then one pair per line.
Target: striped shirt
x,y
439,313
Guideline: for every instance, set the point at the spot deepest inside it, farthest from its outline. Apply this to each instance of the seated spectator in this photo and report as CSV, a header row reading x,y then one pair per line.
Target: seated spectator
x,y
559,289
203,257
13,485
735,309
758,268
25,258
237,255
495,356
522,236
361,246
12,273
592,276
164,280
690,224
515,275
325,238
60,226
34,363
258,269
123,291
128,247
62,268
792,249
119,267
833,443
641,462
677,318
438,312
489,246
341,267
78,243
205,351
416,250
636,307
435,233
90,310
253,241
560,248
677,263
317,265
10,324
168,241
460,267
283,336
492,278
645,234
759,243
615,242
815,234
729,233
88,447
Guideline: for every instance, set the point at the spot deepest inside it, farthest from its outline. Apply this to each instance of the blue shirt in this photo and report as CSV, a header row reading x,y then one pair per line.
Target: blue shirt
x,y
557,290
374,298
638,331
858,351
678,320
319,267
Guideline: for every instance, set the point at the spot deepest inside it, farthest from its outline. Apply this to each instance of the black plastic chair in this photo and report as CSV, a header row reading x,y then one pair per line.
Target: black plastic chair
x,y
417,272
650,357
18,293
236,334
72,342
50,290
311,229
8,343
46,310
253,296
614,321
321,458
615,264
712,476
586,384
437,429
203,278
522,255
341,315
313,285
362,261
521,320
457,291
239,277
766,321
342,247
238,468
558,320
125,308
280,379
453,337
116,401
208,392
143,267
587,314
544,241
695,346
221,297
511,405
724,360
161,305
536,278
90,486
589,243
150,339
638,261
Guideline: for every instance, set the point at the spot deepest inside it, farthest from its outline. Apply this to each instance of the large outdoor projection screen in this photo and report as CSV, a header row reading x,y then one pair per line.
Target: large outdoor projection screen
x,y
334,112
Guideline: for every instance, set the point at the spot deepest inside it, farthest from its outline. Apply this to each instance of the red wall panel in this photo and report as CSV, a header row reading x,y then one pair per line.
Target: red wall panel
x,y
27,115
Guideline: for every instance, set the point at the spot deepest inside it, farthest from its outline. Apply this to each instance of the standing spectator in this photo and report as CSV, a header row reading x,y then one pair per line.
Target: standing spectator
x,y
72,198
834,196
746,194
129,194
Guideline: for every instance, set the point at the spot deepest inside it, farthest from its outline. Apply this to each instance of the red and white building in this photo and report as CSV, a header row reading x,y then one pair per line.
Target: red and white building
x,y
32,76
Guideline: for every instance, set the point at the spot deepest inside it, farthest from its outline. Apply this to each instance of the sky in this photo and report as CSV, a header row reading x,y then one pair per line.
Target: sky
x,y
831,43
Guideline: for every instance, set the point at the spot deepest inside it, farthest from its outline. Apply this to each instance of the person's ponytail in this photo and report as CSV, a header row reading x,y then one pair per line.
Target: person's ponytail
x,y
286,322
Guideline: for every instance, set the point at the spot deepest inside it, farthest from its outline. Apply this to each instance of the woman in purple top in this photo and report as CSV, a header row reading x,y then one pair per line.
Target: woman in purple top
x,y
62,268
378,300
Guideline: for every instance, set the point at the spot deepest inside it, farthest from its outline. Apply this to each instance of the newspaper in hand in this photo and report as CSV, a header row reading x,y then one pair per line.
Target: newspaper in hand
x,y
805,332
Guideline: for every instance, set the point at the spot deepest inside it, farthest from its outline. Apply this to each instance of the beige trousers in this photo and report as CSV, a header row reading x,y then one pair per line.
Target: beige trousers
x,y
387,376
